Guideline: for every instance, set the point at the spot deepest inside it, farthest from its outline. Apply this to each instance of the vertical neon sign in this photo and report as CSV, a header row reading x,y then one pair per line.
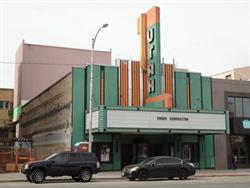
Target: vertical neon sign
x,y
149,29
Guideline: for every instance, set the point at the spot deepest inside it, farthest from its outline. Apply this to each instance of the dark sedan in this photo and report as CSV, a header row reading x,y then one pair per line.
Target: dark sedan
x,y
159,167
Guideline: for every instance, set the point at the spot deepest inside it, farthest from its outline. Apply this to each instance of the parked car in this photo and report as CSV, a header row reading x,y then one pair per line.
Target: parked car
x,y
80,166
159,167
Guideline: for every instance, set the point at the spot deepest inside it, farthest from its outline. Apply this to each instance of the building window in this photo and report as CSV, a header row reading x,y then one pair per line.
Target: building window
x,y
4,105
246,107
102,72
230,104
239,106
4,133
228,77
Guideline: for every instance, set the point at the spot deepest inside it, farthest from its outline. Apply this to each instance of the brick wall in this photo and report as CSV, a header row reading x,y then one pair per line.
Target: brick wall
x,y
46,119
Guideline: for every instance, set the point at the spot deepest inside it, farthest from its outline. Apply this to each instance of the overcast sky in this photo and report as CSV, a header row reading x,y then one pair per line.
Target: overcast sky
x,y
207,36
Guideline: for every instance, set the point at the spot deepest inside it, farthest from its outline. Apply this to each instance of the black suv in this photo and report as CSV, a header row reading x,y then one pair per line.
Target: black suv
x,y
80,166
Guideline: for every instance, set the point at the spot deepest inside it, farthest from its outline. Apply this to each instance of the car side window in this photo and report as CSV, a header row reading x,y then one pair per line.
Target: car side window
x,y
173,161
63,157
74,157
162,161
87,157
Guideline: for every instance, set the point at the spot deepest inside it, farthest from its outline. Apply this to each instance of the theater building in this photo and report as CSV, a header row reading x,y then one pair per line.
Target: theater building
x,y
140,109
123,126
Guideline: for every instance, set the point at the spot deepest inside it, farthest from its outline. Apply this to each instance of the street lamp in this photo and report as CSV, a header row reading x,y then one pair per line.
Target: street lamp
x,y
91,86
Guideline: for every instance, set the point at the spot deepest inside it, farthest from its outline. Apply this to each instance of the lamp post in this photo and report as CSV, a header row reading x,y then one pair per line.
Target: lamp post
x,y
91,86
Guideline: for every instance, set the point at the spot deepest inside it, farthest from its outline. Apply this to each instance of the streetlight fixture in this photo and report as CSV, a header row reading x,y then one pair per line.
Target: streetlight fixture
x,y
91,86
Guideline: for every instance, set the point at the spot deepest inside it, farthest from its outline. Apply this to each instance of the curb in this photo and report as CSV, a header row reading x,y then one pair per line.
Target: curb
x,y
220,175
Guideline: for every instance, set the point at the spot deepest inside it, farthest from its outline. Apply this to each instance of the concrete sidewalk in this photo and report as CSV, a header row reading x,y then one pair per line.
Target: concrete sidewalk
x,y
18,177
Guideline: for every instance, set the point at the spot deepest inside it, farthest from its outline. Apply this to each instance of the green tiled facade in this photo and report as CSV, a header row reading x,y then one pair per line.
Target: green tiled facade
x,y
200,99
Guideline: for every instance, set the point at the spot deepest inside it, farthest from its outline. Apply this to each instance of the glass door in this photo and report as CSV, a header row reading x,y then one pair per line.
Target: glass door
x,y
239,149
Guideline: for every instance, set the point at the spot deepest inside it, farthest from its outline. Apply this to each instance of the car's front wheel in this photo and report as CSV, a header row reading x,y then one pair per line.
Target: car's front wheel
x,y
183,174
85,175
143,175
29,178
38,176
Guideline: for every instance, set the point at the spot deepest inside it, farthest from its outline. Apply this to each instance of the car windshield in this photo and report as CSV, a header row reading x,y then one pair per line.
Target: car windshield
x,y
146,161
50,157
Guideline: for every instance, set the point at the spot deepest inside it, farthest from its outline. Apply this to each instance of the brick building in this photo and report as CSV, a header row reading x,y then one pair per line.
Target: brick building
x,y
6,109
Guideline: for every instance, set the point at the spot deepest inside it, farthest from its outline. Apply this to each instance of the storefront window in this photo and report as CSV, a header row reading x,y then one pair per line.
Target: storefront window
x,y
103,152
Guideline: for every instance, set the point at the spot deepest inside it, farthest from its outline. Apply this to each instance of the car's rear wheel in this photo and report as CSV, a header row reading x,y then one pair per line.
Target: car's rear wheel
x,y
131,179
75,178
29,178
143,175
183,174
38,176
85,175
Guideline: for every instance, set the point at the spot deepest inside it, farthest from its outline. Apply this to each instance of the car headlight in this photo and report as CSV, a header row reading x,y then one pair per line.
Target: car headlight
x,y
26,166
133,169
191,164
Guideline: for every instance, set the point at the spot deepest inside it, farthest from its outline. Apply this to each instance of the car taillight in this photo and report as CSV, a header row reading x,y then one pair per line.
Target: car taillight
x,y
97,164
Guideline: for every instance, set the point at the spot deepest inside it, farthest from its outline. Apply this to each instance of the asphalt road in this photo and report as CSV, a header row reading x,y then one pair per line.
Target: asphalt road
x,y
199,182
